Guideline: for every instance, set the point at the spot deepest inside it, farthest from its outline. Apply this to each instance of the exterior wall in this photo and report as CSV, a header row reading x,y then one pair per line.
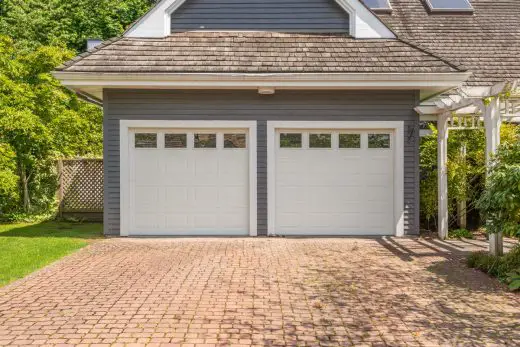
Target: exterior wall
x,y
277,15
249,105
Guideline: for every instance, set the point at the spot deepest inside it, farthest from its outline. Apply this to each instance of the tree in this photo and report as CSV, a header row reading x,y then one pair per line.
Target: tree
x,y
70,22
40,120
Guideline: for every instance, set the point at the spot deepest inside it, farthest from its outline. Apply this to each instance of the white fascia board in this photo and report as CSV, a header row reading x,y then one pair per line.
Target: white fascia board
x,y
156,22
364,24
230,80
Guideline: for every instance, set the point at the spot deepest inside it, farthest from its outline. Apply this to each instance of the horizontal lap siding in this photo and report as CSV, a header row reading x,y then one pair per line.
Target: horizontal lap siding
x,y
248,105
269,15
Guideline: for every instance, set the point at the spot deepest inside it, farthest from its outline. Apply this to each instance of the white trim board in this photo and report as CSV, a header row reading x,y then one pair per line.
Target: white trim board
x,y
396,126
127,125
428,83
157,22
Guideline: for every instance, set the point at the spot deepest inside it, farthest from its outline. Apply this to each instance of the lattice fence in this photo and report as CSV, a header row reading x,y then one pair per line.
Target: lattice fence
x,y
80,186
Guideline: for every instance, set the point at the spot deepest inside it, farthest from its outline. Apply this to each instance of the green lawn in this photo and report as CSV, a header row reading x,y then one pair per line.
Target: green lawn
x,y
25,248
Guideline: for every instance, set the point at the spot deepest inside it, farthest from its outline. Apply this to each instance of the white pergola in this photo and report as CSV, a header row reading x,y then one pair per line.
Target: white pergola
x,y
470,108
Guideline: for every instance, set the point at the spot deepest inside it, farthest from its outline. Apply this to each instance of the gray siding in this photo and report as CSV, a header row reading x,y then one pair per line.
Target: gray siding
x,y
248,105
269,15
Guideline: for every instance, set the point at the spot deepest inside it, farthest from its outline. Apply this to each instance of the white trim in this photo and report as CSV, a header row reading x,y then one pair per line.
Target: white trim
x,y
442,174
157,21
93,83
126,125
364,24
396,126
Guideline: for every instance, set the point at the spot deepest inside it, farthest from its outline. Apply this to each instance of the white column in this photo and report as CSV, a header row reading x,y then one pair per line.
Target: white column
x,y
442,173
492,121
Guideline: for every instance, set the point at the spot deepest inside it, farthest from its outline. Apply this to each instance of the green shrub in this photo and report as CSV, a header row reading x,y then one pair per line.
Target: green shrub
x,y
506,268
460,233
500,201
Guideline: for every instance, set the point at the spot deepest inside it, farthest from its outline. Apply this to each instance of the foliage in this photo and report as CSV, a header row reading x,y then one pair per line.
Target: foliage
x,y
513,279
500,202
466,168
25,248
502,267
68,23
40,120
460,234
9,197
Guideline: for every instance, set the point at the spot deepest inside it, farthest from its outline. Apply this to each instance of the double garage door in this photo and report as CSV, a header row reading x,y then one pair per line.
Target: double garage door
x,y
197,181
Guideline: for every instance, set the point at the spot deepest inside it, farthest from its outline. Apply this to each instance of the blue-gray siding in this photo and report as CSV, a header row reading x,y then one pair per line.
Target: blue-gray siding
x,y
248,105
271,15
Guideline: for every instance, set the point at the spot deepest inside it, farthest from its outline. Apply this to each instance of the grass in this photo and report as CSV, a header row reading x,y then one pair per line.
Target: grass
x,y
25,248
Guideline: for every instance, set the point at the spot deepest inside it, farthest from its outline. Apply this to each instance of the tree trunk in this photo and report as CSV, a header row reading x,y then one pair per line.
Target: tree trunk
x,y
25,187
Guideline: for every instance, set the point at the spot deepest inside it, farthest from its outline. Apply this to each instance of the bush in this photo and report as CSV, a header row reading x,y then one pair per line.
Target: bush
x,y
500,201
460,233
505,268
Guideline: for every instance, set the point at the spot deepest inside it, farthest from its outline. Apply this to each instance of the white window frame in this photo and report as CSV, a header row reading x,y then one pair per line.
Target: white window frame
x,y
126,126
396,128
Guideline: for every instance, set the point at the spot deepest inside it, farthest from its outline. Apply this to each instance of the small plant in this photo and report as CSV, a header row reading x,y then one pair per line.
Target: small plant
x,y
460,234
506,268
513,279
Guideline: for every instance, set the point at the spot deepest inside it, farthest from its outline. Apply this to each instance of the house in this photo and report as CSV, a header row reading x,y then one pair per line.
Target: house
x,y
288,117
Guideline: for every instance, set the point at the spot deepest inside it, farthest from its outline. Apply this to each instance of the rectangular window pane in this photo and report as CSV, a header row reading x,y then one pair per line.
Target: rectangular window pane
x,y
145,140
175,140
288,140
449,5
349,140
234,140
320,141
205,141
378,140
377,4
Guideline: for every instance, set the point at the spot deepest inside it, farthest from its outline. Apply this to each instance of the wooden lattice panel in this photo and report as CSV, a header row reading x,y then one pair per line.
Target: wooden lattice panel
x,y
81,185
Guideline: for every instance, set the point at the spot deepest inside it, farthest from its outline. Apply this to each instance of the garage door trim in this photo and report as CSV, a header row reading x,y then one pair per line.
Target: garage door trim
x,y
127,125
398,130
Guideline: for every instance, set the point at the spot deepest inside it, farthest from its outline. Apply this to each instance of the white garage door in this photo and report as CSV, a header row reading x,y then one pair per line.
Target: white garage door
x,y
334,182
189,182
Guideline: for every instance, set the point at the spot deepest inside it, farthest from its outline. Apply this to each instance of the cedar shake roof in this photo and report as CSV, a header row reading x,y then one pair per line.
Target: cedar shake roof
x,y
258,52
486,42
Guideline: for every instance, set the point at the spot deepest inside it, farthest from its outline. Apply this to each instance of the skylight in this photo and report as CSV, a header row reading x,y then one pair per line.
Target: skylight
x,y
449,5
378,5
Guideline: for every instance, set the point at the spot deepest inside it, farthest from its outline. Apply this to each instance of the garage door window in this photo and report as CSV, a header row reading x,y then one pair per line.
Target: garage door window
x,y
205,141
145,140
234,140
320,141
175,140
378,140
290,140
350,141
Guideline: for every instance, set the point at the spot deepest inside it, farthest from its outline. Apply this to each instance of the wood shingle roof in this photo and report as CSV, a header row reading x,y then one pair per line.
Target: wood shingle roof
x,y
258,52
486,42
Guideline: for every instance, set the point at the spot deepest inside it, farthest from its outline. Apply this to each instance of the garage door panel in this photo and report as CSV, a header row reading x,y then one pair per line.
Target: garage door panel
x,y
334,191
149,221
189,191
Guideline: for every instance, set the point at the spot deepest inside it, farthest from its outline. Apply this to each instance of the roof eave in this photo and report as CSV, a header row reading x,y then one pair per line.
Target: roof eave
x,y
427,83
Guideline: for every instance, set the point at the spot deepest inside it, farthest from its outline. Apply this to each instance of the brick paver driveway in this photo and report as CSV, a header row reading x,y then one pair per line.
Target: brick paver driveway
x,y
298,292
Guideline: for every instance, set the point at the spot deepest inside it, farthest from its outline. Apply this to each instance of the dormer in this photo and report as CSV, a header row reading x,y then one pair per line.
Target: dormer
x,y
351,17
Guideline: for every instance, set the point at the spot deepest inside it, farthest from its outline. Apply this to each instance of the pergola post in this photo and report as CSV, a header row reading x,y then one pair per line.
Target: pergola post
x,y
442,173
492,121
